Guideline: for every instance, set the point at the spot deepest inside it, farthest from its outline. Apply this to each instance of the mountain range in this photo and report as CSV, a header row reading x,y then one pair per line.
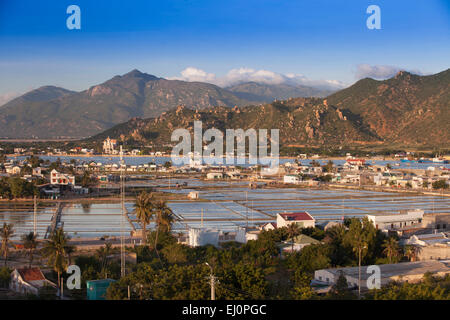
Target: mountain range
x,y
50,112
406,110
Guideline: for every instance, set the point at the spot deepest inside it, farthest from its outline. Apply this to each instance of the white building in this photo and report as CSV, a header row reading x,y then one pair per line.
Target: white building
x,y
303,219
291,178
193,195
214,175
61,179
396,221
109,145
406,271
202,237
428,239
28,281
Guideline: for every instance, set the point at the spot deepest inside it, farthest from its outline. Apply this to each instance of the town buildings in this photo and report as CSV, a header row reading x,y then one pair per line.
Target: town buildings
x,y
405,271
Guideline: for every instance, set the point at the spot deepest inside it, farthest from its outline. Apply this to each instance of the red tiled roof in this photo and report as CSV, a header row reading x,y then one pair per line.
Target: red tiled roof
x,y
296,216
31,274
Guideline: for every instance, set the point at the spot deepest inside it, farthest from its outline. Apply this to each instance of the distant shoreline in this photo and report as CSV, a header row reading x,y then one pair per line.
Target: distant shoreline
x,y
71,155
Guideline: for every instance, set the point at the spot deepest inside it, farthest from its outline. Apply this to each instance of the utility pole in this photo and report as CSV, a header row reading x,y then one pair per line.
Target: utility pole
x,y
359,274
212,280
359,269
122,222
202,218
246,207
62,288
34,216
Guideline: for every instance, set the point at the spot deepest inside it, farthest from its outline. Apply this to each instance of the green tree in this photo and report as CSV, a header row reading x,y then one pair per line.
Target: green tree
x,y
164,219
440,184
6,233
30,244
293,230
103,253
340,291
5,277
329,166
56,249
391,249
411,252
144,208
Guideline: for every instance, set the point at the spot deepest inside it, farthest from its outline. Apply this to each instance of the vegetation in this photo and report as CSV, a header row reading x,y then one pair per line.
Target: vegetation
x,y
144,211
254,270
6,233
15,187
440,184
5,277
57,249
30,244
430,288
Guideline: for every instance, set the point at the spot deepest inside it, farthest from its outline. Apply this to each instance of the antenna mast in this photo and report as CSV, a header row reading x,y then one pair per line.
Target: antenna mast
x,y
122,222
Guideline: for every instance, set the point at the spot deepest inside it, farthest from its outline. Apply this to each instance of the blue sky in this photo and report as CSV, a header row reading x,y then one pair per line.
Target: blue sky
x,y
315,40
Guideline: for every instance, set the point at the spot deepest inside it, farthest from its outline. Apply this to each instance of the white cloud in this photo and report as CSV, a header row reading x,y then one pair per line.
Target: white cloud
x,y
240,75
194,74
380,72
8,96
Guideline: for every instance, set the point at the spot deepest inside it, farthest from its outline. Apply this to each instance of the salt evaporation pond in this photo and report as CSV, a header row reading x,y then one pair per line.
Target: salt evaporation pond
x,y
224,209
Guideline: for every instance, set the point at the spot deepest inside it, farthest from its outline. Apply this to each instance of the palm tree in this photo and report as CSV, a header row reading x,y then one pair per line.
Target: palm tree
x,y
144,211
164,219
293,230
391,248
6,233
103,253
56,250
30,244
411,252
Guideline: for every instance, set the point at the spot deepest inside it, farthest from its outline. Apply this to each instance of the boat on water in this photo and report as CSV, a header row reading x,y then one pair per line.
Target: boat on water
x,y
407,160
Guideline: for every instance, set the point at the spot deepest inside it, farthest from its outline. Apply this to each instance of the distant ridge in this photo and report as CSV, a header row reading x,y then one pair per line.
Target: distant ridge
x,y
406,110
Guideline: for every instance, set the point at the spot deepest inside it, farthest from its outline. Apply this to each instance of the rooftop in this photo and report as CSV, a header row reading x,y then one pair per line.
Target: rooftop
x,y
31,274
296,216
398,269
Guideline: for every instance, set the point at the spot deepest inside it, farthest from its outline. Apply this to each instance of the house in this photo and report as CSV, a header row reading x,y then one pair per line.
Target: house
x,y
405,271
13,170
300,242
396,221
202,237
214,175
61,179
109,145
37,172
269,226
332,224
291,178
193,195
28,281
303,219
436,220
428,239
